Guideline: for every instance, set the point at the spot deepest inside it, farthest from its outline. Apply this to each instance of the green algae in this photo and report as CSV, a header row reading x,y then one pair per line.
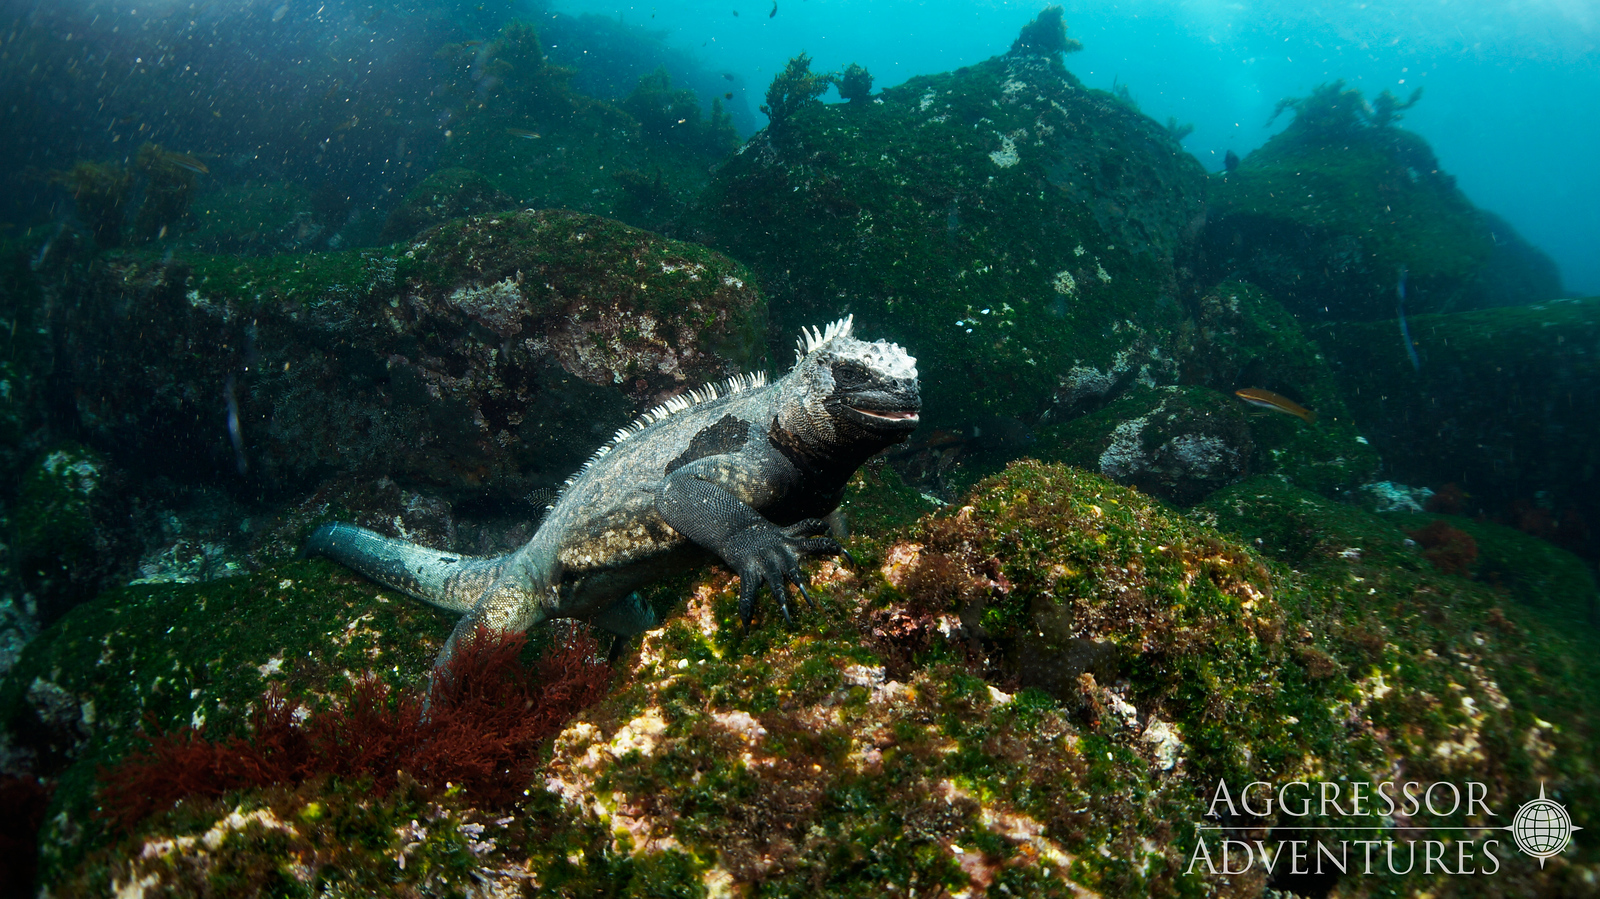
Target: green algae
x,y
789,760
1364,205
997,219
161,657
1496,403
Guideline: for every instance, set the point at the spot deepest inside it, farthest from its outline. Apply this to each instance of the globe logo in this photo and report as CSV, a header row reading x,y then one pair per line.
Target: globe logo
x,y
1542,827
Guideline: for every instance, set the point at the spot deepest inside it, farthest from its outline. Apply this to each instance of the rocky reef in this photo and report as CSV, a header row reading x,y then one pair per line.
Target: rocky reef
x,y
1037,674
1037,691
1343,214
1015,227
1497,403
424,360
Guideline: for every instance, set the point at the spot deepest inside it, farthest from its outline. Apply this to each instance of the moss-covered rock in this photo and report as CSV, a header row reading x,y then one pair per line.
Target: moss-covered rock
x,y
890,740
446,194
1334,212
1245,338
492,353
1014,228
161,657
64,529
1177,443
1500,403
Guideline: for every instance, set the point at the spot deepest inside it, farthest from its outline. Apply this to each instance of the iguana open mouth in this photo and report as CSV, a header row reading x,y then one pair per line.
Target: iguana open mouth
x,y
891,414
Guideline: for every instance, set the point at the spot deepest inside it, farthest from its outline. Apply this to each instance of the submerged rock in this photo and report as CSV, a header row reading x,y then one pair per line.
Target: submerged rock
x,y
446,194
1500,403
1176,443
1015,228
1341,208
1037,693
491,354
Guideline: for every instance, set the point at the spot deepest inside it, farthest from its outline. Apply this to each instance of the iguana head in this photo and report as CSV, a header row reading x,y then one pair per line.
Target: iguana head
x,y
844,389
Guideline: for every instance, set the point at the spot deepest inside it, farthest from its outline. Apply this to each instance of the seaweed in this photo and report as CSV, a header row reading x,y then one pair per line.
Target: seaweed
x,y
1046,35
673,116
1450,549
487,716
794,87
855,83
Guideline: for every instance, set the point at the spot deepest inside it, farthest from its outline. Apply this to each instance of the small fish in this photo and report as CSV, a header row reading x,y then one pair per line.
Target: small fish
x,y
44,251
728,95
235,431
774,9
736,13
1400,313
523,133
1230,162
1266,399
728,75
185,161
472,43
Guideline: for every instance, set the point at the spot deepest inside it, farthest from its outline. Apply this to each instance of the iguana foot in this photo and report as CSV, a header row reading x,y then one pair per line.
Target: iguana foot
x,y
764,554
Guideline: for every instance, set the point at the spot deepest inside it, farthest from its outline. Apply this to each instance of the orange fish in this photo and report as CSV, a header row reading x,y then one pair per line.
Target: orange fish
x,y
1266,399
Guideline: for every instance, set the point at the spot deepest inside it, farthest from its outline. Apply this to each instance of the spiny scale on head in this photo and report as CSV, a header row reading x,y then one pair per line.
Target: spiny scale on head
x,y
809,340
702,394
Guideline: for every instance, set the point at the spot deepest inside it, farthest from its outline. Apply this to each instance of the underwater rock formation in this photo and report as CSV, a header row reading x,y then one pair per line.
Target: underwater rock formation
x,y
446,194
1013,226
1500,402
1176,443
1034,692
1342,211
1243,338
491,354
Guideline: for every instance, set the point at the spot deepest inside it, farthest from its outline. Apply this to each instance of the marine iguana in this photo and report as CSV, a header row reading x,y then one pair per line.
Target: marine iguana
x,y
743,471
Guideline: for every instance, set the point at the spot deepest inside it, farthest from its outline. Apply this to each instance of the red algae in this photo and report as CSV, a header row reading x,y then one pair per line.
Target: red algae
x,y
489,716
1451,550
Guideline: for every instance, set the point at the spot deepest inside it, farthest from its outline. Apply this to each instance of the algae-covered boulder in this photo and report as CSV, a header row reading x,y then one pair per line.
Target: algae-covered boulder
x,y
1181,443
446,194
1014,228
493,353
160,657
1342,211
1500,402
1243,338
1037,692
65,536
1177,443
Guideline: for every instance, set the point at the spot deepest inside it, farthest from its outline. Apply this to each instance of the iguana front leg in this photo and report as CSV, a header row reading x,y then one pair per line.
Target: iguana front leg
x,y
755,548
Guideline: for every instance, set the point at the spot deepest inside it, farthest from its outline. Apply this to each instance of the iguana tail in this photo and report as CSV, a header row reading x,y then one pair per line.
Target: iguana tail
x,y
450,581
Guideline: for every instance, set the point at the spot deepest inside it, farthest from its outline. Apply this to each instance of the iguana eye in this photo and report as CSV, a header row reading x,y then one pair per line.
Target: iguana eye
x,y
847,375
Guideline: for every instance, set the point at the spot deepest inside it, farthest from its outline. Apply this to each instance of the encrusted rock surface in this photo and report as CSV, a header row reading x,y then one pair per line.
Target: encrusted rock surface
x,y
490,354
1033,693
1014,227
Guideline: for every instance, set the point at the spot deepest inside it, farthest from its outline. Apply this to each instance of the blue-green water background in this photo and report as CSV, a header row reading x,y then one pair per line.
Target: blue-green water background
x,y
1511,90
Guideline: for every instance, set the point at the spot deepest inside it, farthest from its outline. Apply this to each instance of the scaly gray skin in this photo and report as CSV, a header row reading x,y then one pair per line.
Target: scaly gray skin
x,y
744,471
